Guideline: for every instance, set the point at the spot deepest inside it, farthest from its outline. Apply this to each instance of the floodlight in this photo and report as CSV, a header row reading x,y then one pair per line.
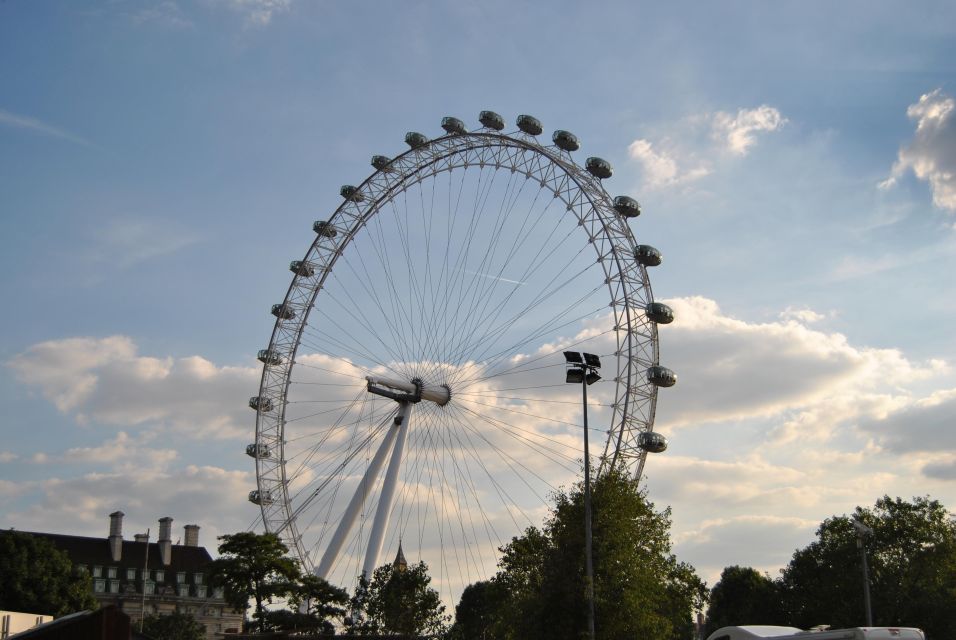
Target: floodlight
x,y
575,376
592,360
573,357
592,377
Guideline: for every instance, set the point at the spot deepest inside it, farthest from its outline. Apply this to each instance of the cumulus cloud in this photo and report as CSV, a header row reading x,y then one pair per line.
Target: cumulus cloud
x,y
925,424
931,154
805,316
694,147
7,456
105,380
737,133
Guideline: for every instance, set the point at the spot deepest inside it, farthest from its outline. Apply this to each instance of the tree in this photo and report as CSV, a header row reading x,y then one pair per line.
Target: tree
x,y
253,566
912,558
399,602
36,577
743,596
640,588
478,614
312,605
173,626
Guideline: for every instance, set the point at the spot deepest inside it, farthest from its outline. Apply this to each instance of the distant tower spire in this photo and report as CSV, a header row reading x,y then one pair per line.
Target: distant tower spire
x,y
399,564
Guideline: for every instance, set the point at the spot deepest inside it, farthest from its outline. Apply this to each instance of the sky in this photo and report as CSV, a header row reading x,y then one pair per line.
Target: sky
x,y
161,162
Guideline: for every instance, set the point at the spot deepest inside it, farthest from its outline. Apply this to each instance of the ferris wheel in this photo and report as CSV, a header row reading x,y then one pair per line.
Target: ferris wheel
x,y
413,393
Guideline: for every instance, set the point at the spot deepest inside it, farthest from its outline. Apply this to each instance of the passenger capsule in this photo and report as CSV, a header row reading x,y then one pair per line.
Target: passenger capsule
x,y
283,311
491,120
351,193
652,442
260,498
659,313
565,140
301,268
599,167
647,255
258,451
453,125
627,206
260,404
530,125
661,376
382,163
415,140
268,356
324,228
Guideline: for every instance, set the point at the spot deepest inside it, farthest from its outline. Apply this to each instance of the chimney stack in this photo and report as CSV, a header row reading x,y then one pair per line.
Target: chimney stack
x,y
116,535
165,540
191,535
141,537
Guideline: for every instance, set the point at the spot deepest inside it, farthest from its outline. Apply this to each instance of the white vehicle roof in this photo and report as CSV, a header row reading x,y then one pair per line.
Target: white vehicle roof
x,y
768,632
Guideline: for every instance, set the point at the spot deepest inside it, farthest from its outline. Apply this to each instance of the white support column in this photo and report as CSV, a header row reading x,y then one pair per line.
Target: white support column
x,y
352,511
382,513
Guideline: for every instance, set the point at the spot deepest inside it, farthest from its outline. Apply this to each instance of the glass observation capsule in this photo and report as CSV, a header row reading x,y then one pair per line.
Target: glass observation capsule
x,y
661,376
530,125
627,206
268,356
260,404
565,140
453,125
647,255
260,497
351,193
324,228
283,311
599,167
258,451
414,139
652,442
382,163
659,313
301,268
491,120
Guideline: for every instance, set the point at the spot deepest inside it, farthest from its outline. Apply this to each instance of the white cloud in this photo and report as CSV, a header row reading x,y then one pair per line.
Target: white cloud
x,y
104,380
806,316
694,147
125,242
16,121
737,133
7,456
259,12
166,13
931,154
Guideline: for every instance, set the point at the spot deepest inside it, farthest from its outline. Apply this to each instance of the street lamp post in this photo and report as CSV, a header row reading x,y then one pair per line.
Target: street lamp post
x,y
584,371
861,531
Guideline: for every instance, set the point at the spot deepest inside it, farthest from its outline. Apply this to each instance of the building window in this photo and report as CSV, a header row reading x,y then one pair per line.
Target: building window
x,y
131,574
181,577
99,586
201,591
197,578
111,572
160,576
149,587
97,571
80,569
114,586
183,591
145,574
217,593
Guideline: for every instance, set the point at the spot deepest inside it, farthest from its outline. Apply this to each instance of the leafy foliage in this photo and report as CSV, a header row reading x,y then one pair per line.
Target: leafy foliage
x,y
254,566
36,577
912,557
173,626
743,596
398,602
640,588
313,604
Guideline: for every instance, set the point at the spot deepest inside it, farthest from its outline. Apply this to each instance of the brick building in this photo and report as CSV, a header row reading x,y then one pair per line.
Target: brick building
x,y
142,578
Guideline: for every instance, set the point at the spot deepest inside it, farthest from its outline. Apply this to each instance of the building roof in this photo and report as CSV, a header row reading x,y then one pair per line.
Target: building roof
x,y
96,551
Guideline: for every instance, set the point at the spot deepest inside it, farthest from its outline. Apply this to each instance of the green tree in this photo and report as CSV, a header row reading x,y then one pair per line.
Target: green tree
x,y
743,596
313,604
478,614
173,626
253,566
399,602
36,577
912,558
640,588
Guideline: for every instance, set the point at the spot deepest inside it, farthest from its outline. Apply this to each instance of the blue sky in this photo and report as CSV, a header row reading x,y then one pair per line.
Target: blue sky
x,y
162,161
